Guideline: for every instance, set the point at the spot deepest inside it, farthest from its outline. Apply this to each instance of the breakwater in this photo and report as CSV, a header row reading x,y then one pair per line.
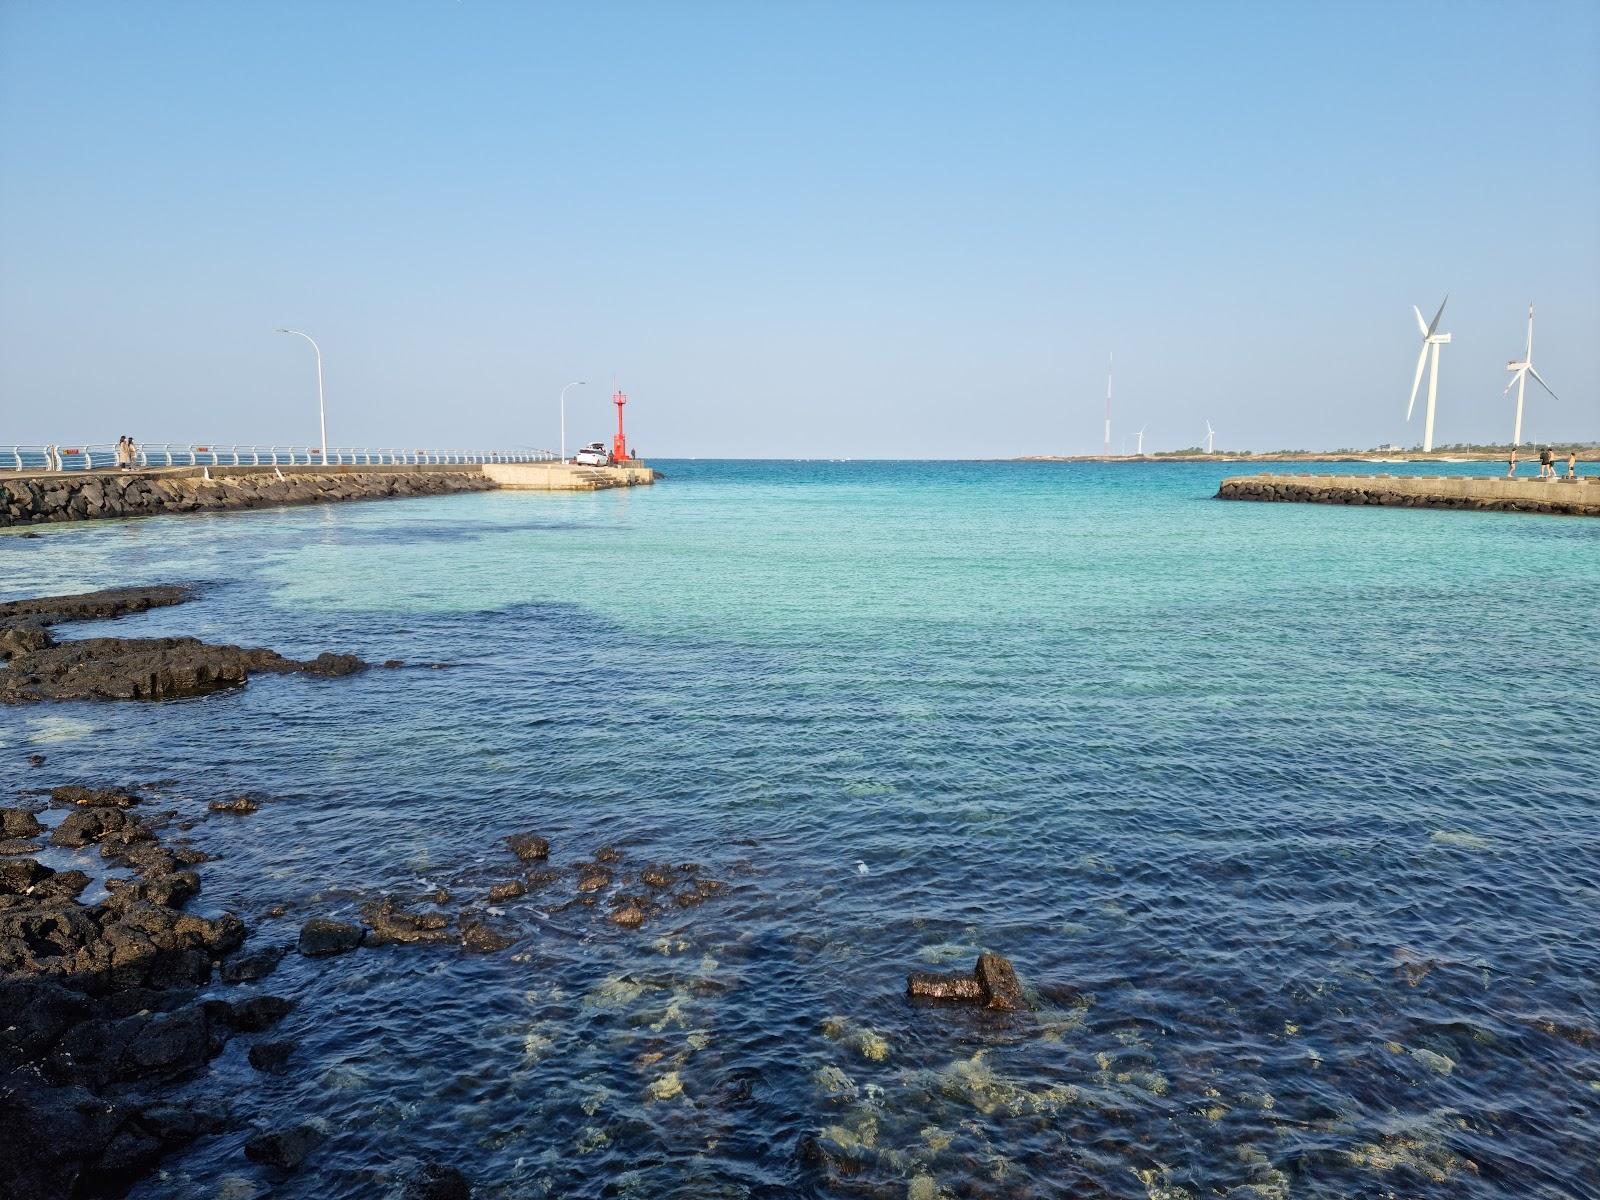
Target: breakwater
x,y
85,496
1484,493
46,498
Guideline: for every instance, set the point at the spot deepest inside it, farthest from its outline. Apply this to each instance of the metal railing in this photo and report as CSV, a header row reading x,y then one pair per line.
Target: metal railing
x,y
99,457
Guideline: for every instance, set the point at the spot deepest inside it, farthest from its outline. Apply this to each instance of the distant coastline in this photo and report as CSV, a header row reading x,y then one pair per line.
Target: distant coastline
x,y
1477,454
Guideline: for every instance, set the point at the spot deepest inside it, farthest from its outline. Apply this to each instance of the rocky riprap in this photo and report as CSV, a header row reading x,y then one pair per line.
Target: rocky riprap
x,y
100,1002
38,667
42,499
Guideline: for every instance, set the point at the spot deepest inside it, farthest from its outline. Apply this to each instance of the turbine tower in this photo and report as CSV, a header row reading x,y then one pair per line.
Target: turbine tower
x,y
1140,436
1110,362
1430,337
1522,370
1211,435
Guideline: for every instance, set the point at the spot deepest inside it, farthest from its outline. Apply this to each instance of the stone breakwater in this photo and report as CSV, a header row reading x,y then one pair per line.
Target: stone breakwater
x,y
1483,493
42,499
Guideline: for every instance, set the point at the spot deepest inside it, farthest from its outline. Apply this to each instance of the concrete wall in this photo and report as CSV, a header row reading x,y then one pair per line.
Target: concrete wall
x,y
564,477
1494,493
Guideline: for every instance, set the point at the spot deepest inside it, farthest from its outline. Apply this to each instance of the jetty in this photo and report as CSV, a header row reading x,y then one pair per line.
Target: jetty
x,y
1484,493
51,496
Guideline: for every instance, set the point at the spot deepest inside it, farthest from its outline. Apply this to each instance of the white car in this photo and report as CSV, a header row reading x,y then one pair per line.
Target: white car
x,y
593,455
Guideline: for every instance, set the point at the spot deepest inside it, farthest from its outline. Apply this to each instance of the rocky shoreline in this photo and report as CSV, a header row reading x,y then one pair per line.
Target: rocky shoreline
x,y
38,667
38,500
105,1015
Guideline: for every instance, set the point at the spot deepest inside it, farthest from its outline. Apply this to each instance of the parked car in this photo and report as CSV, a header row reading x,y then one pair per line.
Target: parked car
x,y
594,454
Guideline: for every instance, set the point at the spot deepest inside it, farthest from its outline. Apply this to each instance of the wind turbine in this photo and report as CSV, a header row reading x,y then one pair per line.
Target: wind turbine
x,y
1111,361
1211,435
1522,370
1430,337
1140,435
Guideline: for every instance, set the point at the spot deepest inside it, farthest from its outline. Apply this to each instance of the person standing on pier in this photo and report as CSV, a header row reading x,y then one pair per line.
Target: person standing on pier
x,y
1547,464
1511,466
1572,466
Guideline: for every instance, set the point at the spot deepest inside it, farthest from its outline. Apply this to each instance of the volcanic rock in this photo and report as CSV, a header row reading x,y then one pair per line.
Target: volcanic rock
x,y
257,965
18,823
271,1058
434,1181
993,983
284,1149
321,937
529,847
389,922
259,1013
482,938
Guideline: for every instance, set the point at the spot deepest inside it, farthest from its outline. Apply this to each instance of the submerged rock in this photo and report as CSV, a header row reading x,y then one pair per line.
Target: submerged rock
x,y
434,1181
391,923
322,938
239,804
272,1058
260,1012
285,1149
257,965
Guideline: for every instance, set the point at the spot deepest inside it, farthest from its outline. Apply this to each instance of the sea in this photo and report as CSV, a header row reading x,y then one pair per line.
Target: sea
x,y
1288,817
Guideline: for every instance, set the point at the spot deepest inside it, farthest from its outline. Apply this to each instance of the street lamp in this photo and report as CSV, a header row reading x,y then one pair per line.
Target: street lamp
x,y
575,383
322,414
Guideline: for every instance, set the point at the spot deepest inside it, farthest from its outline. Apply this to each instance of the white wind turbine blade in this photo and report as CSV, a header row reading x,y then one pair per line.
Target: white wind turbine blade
x,y
1421,324
1416,382
1436,316
1534,372
1515,375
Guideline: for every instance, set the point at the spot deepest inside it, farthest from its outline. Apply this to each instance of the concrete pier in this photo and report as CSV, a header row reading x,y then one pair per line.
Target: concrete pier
x,y
566,477
1580,497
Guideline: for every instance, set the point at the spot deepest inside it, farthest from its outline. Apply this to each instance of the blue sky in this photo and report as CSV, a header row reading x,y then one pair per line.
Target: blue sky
x,y
792,230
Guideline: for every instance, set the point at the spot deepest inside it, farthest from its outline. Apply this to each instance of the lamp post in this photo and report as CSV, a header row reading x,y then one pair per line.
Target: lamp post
x,y
573,384
322,413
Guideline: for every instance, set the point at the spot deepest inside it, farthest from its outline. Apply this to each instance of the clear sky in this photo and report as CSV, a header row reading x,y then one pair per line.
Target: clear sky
x,y
804,229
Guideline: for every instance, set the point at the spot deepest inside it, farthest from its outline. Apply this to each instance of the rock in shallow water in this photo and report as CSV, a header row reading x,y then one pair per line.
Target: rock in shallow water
x,y
285,1149
434,1181
529,847
248,968
993,983
272,1058
322,938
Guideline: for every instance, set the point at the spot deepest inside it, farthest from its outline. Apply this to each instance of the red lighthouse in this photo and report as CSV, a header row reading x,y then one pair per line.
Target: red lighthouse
x,y
619,447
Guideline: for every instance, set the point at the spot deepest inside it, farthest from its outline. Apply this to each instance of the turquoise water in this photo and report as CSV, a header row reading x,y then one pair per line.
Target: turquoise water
x,y
1288,813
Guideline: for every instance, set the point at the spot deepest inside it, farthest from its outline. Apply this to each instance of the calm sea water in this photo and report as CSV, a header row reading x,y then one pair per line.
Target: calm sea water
x,y
1290,815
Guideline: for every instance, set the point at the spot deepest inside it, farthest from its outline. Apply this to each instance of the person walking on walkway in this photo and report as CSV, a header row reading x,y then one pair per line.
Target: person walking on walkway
x,y
1511,465
1572,466
122,453
1547,463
